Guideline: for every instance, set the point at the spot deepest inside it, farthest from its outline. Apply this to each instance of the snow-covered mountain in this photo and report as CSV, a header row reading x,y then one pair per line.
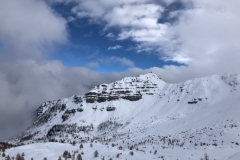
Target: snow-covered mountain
x,y
145,114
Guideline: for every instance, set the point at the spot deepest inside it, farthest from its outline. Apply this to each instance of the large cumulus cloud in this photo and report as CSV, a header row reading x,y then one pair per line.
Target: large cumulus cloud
x,y
28,29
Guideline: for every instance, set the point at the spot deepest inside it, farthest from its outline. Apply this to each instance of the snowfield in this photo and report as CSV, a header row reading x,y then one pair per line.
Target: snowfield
x,y
52,151
143,115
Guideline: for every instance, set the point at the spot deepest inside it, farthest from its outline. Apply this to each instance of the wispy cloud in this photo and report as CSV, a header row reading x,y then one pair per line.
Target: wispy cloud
x,y
88,35
110,35
71,19
115,47
113,59
92,65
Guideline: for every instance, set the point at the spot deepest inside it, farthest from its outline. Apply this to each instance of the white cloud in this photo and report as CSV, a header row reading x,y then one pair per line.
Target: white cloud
x,y
208,35
115,47
110,35
28,30
29,26
129,16
177,58
82,14
96,8
145,35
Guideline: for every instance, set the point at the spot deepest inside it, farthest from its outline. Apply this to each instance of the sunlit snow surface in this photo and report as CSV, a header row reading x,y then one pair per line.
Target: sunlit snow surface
x,y
201,114
53,150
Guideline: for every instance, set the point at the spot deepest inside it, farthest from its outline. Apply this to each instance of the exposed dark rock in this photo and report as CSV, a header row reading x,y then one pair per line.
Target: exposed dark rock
x,y
110,108
135,97
102,99
68,114
90,100
80,109
77,99
192,102
110,98
63,107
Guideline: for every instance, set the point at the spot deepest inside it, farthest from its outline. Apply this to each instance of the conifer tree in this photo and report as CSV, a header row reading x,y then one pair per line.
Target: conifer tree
x,y
96,153
81,146
79,157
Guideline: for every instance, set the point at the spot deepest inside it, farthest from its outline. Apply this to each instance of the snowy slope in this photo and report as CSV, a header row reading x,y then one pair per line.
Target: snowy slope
x,y
52,151
199,116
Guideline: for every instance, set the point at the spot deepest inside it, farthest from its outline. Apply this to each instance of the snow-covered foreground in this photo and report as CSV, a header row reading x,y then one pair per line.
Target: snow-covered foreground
x,y
143,115
53,150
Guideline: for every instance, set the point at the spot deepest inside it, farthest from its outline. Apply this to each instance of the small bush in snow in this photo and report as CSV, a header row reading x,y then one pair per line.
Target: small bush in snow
x,y
131,153
81,146
96,154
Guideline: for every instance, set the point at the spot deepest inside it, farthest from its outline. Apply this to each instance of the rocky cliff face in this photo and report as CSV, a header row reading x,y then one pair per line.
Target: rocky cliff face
x,y
131,88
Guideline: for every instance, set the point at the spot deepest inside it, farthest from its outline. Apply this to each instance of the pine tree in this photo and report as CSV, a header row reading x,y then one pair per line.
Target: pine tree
x,y
18,157
155,152
79,157
7,158
131,153
65,154
73,143
96,153
206,157
69,155
118,155
81,146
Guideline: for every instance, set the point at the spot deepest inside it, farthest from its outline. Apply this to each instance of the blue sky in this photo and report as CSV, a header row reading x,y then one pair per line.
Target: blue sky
x,y
89,46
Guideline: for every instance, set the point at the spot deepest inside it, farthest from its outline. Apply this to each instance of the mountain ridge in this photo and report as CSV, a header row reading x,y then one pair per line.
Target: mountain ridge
x,y
192,114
